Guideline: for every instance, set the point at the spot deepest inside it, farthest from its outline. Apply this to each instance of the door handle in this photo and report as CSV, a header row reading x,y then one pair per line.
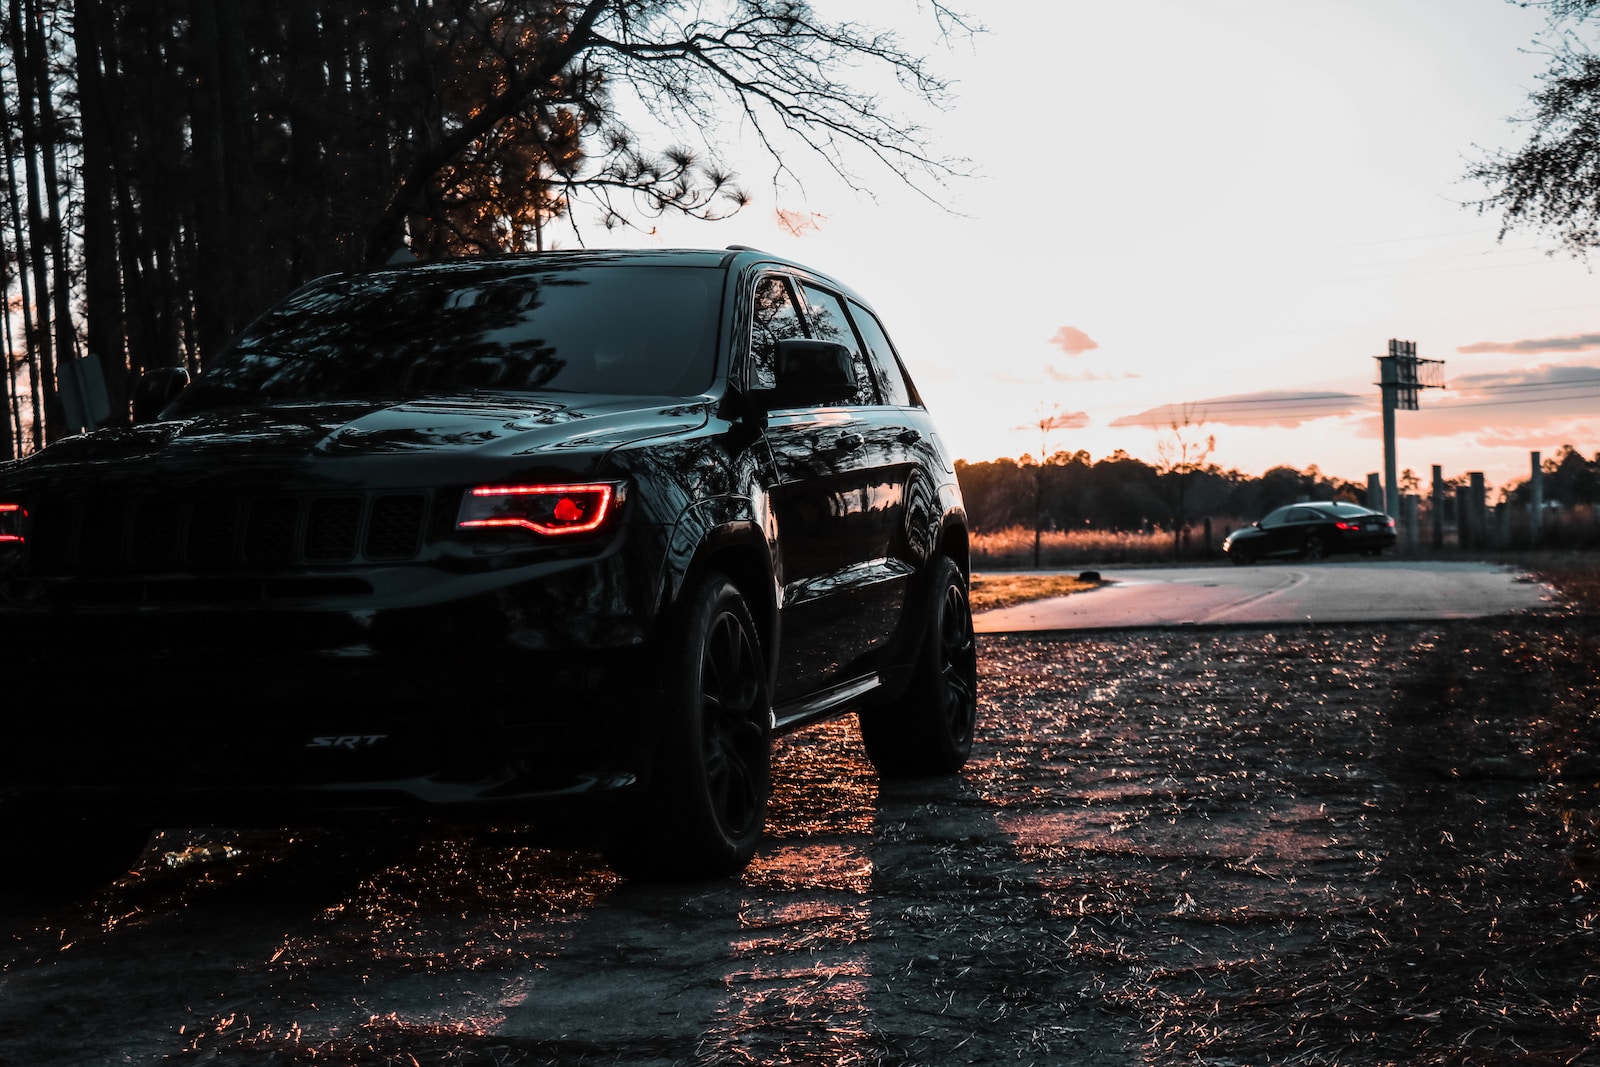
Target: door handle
x,y
849,442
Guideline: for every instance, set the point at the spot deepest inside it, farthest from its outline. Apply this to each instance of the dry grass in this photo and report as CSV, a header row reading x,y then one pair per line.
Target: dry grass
x,y
1576,575
1013,547
1003,590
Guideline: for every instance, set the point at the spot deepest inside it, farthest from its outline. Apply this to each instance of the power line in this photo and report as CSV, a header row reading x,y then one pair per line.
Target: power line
x,y
1508,387
1510,403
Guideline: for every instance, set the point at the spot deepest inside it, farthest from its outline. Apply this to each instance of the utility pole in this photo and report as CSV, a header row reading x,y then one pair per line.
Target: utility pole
x,y
1400,375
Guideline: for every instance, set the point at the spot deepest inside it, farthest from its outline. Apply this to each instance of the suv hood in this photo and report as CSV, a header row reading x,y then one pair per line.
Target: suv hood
x,y
491,426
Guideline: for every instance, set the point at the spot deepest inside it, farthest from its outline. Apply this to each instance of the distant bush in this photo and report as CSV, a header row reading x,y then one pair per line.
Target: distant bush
x,y
1012,547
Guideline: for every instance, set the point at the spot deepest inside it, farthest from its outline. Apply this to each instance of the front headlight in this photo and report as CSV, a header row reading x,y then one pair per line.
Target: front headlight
x,y
13,523
549,510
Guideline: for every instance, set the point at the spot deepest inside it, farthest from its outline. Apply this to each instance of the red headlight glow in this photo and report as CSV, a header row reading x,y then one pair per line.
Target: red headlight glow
x,y
12,517
545,509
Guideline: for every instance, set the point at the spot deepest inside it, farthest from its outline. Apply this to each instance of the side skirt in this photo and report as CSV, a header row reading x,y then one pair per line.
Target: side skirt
x,y
797,713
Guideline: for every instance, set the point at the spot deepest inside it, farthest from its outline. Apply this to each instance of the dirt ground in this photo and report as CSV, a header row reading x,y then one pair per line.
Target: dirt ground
x,y
1308,846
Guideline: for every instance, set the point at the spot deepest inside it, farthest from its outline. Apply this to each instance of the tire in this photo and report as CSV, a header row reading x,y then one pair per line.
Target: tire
x,y
1314,549
703,812
928,730
54,859
1240,557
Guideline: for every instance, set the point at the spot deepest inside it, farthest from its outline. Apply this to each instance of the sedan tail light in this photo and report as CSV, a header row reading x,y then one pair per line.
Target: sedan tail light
x,y
12,517
551,510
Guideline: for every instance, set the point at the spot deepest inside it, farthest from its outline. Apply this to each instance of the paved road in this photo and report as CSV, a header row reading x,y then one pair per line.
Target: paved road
x,y
1369,592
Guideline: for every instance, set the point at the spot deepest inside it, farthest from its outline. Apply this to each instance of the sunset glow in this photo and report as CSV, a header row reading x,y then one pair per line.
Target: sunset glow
x,y
1222,208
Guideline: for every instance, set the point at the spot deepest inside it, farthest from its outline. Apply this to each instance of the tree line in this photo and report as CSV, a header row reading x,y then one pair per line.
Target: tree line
x,y
1119,492
173,167
1070,491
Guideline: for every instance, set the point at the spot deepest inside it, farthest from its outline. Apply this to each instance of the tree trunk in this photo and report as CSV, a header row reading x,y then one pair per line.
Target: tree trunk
x,y
102,284
66,332
38,331
14,198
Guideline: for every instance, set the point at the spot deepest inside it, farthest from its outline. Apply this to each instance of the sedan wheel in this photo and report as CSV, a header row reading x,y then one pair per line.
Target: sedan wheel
x,y
705,808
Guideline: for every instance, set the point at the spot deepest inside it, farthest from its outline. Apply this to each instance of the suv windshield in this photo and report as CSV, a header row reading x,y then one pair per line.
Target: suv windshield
x,y
644,330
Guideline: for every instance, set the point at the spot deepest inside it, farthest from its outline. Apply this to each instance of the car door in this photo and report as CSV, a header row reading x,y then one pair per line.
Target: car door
x,y
833,506
1276,534
1295,524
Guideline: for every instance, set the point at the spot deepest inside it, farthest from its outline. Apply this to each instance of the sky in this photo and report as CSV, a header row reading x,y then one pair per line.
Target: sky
x,y
1213,209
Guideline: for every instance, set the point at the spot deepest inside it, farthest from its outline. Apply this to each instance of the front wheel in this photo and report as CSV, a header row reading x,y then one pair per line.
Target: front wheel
x,y
56,858
703,812
928,730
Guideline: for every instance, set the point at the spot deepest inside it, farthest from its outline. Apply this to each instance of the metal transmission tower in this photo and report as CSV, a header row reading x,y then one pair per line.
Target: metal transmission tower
x,y
1401,374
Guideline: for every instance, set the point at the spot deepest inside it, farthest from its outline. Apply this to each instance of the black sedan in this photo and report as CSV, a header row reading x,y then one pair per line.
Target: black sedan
x,y
1312,531
564,538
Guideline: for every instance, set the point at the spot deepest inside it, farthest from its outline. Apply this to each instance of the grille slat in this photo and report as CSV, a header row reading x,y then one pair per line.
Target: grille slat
x,y
108,536
394,528
332,528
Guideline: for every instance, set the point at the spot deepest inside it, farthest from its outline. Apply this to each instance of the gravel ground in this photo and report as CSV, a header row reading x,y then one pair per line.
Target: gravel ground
x,y
1307,846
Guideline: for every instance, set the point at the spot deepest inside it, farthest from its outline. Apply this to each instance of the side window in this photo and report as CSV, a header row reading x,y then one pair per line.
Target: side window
x,y
776,318
886,370
830,323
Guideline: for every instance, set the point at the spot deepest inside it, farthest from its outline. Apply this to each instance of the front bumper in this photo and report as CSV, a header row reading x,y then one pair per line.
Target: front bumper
x,y
535,689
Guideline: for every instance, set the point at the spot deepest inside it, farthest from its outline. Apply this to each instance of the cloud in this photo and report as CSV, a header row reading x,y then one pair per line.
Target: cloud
x,y
1524,405
1524,378
1073,341
1086,376
1060,420
1268,408
1577,343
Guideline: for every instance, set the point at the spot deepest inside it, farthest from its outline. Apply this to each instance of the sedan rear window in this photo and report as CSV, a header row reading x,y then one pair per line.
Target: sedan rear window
x,y
640,330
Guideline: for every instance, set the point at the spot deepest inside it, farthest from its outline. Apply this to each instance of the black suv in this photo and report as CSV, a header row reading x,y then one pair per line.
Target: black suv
x,y
561,538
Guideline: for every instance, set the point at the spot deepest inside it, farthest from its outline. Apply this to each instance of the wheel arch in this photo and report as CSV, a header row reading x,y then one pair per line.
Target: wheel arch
x,y
737,548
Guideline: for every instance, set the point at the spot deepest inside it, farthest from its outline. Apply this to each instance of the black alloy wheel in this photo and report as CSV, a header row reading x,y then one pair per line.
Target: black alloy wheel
x,y
705,807
56,859
1314,548
929,729
735,744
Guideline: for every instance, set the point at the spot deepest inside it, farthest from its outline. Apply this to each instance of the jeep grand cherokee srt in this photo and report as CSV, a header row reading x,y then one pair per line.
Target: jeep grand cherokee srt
x,y
555,537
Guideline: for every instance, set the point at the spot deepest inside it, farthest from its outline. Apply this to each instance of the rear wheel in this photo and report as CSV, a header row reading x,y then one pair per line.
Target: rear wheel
x,y
704,810
928,730
1314,548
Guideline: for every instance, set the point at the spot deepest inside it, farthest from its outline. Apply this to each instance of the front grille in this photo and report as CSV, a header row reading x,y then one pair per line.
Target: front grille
x,y
152,535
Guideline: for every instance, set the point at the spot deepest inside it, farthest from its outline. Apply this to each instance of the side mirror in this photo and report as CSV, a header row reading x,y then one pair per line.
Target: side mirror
x,y
810,372
155,391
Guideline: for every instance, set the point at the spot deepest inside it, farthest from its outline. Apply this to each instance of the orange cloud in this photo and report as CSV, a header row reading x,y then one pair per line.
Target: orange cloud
x,y
1577,343
1073,341
1268,408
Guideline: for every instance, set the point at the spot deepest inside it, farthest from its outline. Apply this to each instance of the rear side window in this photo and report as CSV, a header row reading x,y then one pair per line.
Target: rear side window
x,y
887,373
830,323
